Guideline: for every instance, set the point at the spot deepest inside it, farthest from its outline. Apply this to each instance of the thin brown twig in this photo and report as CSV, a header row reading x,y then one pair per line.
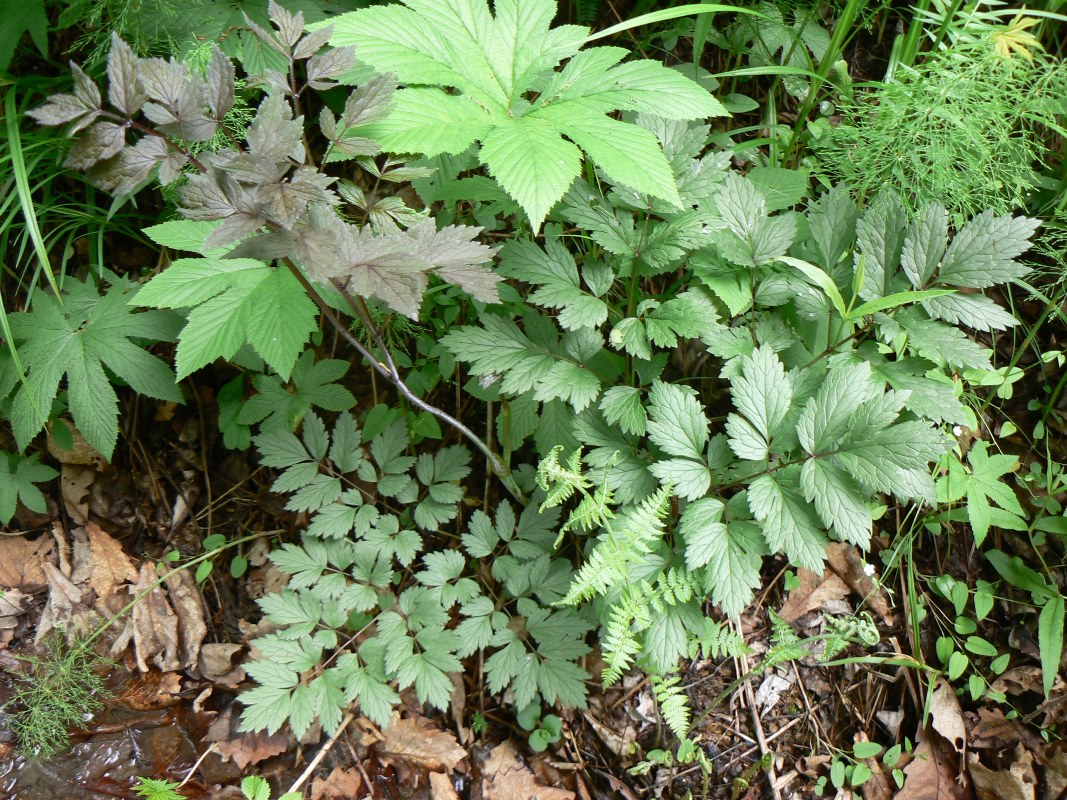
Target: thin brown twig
x,y
314,763
199,761
750,698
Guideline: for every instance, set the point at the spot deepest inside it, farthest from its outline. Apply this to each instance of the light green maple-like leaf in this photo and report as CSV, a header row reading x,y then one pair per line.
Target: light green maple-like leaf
x,y
990,501
762,393
491,63
236,300
18,477
678,423
79,339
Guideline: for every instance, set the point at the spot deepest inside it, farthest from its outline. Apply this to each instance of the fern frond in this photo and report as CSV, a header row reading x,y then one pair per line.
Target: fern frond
x,y
673,703
786,645
620,644
608,565
561,481
718,641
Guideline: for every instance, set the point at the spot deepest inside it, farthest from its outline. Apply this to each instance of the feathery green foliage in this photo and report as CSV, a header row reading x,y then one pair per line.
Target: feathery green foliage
x,y
967,128
61,685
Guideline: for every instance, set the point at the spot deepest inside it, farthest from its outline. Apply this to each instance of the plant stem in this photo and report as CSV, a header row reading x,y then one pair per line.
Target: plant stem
x,y
389,371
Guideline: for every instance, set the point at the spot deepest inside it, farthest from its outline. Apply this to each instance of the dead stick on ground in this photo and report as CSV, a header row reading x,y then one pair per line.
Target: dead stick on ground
x,y
750,697
314,763
195,766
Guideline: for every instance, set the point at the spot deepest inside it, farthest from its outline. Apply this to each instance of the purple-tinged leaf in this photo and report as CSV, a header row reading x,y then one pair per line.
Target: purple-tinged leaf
x,y
85,88
478,282
327,123
233,229
102,140
397,282
265,36
125,172
455,257
313,42
220,83
322,69
124,84
252,168
352,147
284,202
272,81
290,26
61,108
171,167
164,80
370,101
267,246
203,199
452,246
274,133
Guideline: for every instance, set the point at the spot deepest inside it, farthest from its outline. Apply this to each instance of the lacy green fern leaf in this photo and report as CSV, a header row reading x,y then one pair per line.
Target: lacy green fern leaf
x,y
621,546
673,703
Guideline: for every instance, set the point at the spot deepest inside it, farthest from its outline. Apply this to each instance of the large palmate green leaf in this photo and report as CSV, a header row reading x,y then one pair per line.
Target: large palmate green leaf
x,y
88,338
504,91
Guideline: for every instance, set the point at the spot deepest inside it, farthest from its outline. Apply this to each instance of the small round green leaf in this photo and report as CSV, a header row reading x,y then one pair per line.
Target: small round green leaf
x,y
866,750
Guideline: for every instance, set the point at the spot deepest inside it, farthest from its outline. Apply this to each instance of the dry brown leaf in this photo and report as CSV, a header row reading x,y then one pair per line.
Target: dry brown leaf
x,y
414,742
931,775
75,484
618,786
154,625
81,452
992,731
1056,775
1018,782
946,716
11,601
22,562
458,707
12,604
441,787
621,743
216,664
151,691
110,569
191,612
62,548
243,749
846,561
65,607
812,593
1019,680
505,778
341,784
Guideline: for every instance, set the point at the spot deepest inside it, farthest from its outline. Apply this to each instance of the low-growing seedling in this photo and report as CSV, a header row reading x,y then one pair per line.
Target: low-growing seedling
x,y
543,730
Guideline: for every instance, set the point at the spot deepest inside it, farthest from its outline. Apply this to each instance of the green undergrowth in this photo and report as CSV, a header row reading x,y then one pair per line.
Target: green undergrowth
x,y
59,689
673,361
